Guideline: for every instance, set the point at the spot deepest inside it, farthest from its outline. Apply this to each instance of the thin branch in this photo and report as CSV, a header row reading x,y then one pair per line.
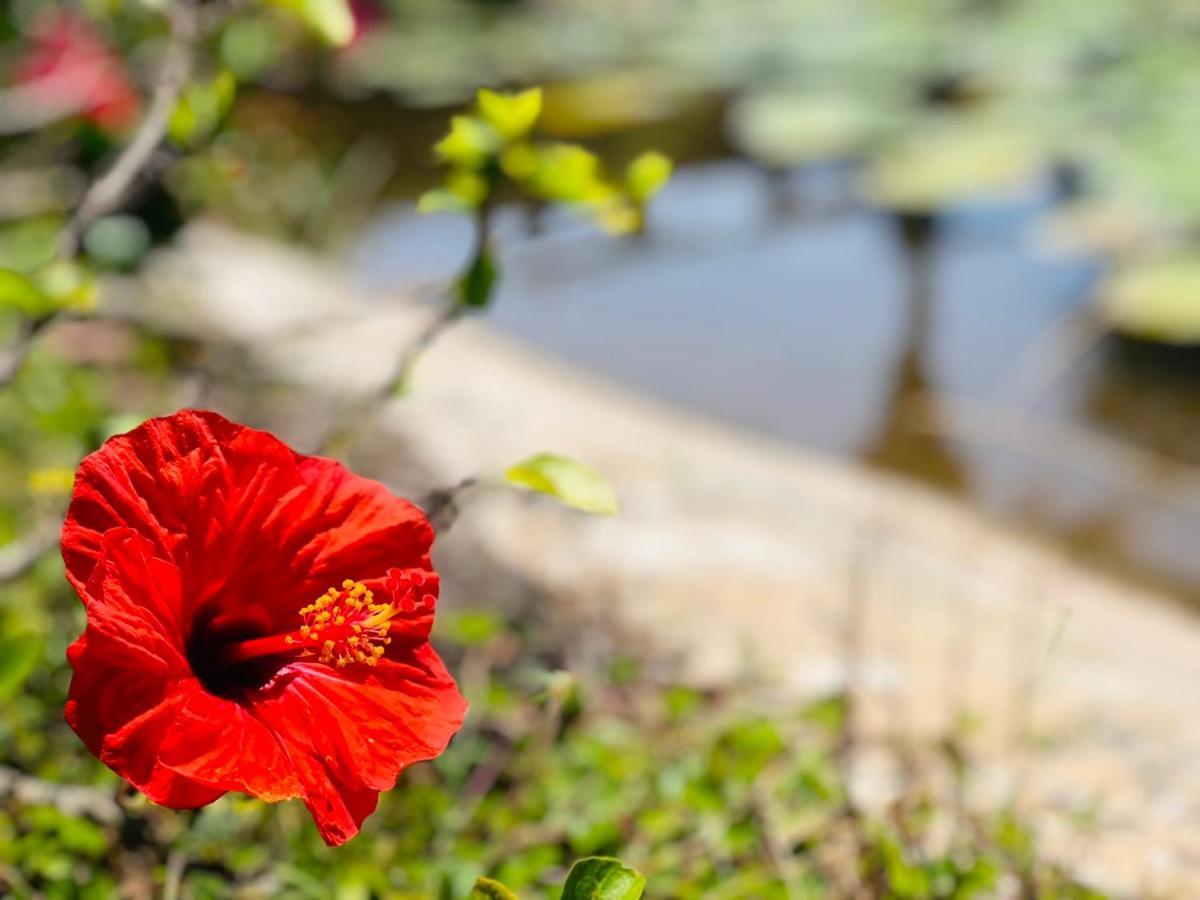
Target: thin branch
x,y
110,190
15,355
138,157
18,558
69,799
441,506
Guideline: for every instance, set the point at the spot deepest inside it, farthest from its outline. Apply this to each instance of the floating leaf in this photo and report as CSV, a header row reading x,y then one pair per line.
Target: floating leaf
x,y
572,483
1157,300
331,19
647,175
603,878
948,164
787,128
512,115
487,889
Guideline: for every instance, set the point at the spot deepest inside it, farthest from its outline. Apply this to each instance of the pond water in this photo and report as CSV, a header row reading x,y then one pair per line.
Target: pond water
x,y
974,366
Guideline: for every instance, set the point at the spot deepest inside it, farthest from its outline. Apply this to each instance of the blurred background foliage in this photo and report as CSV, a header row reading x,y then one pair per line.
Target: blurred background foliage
x,y
298,119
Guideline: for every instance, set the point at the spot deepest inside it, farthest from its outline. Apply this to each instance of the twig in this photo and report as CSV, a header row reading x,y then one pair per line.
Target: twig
x,y
450,314
441,506
69,799
453,311
177,861
109,191
14,357
112,188
18,558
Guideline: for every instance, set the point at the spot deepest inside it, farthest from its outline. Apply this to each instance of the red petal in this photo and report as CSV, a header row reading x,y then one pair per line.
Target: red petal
x,y
343,526
122,712
219,742
240,514
134,600
191,483
351,733
130,674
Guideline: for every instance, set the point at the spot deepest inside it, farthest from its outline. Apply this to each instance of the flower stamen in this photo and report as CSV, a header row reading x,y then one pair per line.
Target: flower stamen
x,y
345,625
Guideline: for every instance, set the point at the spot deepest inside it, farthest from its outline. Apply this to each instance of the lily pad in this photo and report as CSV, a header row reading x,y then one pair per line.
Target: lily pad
x,y
1156,300
949,164
788,129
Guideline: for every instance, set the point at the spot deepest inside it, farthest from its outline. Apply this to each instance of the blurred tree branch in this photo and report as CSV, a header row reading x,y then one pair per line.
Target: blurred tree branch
x,y
112,188
69,799
135,161
19,557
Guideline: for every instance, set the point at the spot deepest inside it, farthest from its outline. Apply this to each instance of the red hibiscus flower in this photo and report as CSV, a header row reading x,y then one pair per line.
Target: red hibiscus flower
x,y
70,68
257,621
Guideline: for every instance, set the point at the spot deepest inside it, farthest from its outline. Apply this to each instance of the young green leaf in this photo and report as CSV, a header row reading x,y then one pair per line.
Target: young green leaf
x,y
647,175
512,115
470,142
603,878
487,889
331,19
477,283
22,294
572,483
201,107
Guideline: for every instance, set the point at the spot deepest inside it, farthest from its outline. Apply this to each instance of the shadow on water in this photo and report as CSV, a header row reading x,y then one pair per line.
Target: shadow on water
x,y
881,339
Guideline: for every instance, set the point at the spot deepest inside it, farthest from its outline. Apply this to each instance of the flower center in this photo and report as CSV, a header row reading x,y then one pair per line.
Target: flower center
x,y
345,625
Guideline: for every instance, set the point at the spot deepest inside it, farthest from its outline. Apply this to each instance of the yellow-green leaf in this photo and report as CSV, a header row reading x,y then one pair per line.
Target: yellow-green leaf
x,y
201,108
512,115
52,480
647,175
487,889
331,19
603,878
1156,300
470,142
567,173
572,483
22,294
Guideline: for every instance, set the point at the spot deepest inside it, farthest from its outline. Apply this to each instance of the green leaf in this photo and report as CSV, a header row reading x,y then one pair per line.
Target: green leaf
x,y
201,108
567,173
469,144
647,175
476,285
603,878
331,19
572,483
20,293
19,653
1156,300
512,115
487,889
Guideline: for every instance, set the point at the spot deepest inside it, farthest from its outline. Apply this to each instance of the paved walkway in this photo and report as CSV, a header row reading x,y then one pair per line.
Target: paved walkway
x,y
740,556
